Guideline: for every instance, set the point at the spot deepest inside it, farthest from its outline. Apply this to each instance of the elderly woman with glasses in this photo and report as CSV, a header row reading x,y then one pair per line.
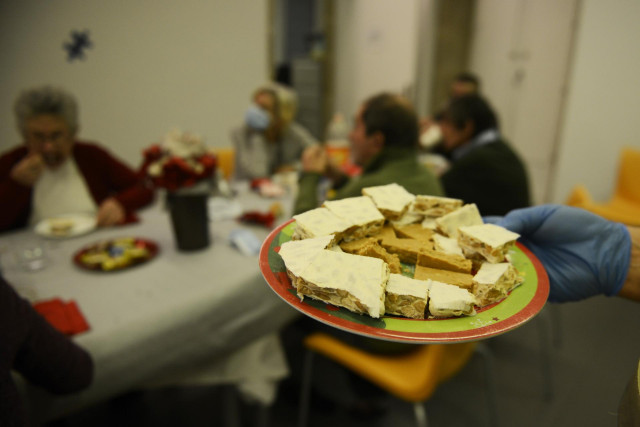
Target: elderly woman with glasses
x,y
53,174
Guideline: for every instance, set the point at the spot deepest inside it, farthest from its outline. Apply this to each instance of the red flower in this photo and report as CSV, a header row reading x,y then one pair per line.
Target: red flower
x,y
173,172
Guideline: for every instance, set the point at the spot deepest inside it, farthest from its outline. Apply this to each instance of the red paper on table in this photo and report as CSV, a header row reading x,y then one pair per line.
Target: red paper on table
x,y
65,317
255,217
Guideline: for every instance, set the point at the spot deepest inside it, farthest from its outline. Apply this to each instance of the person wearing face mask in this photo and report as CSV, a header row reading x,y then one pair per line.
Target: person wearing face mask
x,y
269,141
53,174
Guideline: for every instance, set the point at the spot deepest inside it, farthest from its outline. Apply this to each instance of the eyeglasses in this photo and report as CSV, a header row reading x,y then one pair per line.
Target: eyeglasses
x,y
40,138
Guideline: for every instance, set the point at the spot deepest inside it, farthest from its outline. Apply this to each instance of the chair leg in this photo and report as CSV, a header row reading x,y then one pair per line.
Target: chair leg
x,y
305,392
231,407
492,404
262,416
421,414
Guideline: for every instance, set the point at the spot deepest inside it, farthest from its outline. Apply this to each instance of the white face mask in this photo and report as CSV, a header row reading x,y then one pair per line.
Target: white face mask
x,y
257,118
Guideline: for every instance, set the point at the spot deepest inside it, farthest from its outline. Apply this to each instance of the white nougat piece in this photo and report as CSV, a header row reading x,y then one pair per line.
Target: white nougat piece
x,y
319,222
297,254
488,240
448,300
408,218
361,212
446,245
392,200
354,282
435,206
406,296
450,223
357,210
430,223
493,282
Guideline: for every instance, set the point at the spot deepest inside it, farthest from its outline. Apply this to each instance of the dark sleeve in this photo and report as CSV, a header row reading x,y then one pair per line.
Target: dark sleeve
x,y
12,411
131,190
108,176
493,178
461,181
35,349
15,198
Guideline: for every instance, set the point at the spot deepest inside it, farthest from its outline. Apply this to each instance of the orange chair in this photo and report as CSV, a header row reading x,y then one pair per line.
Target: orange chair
x,y
624,206
411,377
226,160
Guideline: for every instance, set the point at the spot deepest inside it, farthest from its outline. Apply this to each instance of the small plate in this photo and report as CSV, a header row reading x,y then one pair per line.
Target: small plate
x,y
120,253
80,224
522,304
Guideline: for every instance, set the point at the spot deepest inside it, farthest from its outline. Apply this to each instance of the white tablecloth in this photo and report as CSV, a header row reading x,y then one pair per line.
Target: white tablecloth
x,y
185,317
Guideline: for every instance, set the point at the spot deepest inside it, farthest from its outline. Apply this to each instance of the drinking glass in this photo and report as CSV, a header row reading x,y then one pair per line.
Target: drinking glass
x,y
31,255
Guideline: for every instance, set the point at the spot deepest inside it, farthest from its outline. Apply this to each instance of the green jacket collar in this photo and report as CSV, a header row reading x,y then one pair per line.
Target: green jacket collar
x,y
390,154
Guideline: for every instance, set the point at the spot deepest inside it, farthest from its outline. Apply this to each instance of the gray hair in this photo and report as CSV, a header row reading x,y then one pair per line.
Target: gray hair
x,y
46,100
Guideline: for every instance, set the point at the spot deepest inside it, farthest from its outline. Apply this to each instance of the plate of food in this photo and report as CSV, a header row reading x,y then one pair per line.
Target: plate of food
x,y
116,254
65,226
405,276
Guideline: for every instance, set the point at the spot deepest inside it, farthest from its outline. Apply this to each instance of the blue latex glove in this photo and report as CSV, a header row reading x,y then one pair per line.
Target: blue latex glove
x,y
584,254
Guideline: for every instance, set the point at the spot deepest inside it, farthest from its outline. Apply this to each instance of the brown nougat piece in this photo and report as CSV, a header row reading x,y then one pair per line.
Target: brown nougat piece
x,y
444,261
461,280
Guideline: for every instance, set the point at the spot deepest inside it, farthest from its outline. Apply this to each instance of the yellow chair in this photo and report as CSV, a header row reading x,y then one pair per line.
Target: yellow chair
x,y
624,206
226,160
412,377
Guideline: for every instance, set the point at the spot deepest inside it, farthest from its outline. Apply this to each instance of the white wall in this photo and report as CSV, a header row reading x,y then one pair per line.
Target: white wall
x,y
522,51
154,65
375,49
602,112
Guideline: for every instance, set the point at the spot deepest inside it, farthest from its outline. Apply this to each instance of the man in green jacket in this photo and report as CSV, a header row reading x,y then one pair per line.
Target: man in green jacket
x,y
384,143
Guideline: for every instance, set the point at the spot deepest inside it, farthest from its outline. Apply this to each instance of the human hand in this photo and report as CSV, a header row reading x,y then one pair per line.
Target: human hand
x,y
315,159
583,254
110,212
28,170
285,169
425,123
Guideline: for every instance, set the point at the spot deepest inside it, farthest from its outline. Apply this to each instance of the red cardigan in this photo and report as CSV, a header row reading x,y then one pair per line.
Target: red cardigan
x,y
105,176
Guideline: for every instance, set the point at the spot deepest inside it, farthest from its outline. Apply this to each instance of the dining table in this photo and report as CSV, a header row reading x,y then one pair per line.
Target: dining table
x,y
184,317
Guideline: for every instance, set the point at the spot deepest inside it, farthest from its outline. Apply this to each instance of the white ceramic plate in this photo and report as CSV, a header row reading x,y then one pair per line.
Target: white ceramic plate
x,y
81,224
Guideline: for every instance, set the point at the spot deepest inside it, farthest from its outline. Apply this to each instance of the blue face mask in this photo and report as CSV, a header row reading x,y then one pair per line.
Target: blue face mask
x,y
257,118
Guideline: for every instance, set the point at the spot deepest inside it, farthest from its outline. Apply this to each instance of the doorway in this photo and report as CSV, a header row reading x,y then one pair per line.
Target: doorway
x,y
301,57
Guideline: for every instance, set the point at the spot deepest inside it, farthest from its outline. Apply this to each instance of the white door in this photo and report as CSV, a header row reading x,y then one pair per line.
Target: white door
x,y
521,51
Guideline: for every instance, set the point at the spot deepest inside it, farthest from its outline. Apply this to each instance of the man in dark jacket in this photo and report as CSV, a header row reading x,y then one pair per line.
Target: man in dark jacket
x,y
484,169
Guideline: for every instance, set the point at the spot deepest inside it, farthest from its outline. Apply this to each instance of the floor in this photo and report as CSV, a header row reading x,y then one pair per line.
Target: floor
x,y
594,348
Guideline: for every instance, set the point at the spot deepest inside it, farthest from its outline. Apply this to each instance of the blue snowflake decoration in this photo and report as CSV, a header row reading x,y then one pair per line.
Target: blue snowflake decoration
x,y
80,41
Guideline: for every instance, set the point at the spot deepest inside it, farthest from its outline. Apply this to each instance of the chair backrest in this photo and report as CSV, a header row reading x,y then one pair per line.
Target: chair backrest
x,y
628,184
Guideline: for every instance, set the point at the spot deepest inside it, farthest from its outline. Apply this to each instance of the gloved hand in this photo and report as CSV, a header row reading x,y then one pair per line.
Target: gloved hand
x,y
584,254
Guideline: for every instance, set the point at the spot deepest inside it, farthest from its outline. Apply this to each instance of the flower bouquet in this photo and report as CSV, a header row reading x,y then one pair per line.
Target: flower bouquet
x,y
180,164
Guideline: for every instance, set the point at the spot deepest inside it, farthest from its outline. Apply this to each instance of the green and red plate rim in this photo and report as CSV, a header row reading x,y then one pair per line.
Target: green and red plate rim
x,y
280,283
